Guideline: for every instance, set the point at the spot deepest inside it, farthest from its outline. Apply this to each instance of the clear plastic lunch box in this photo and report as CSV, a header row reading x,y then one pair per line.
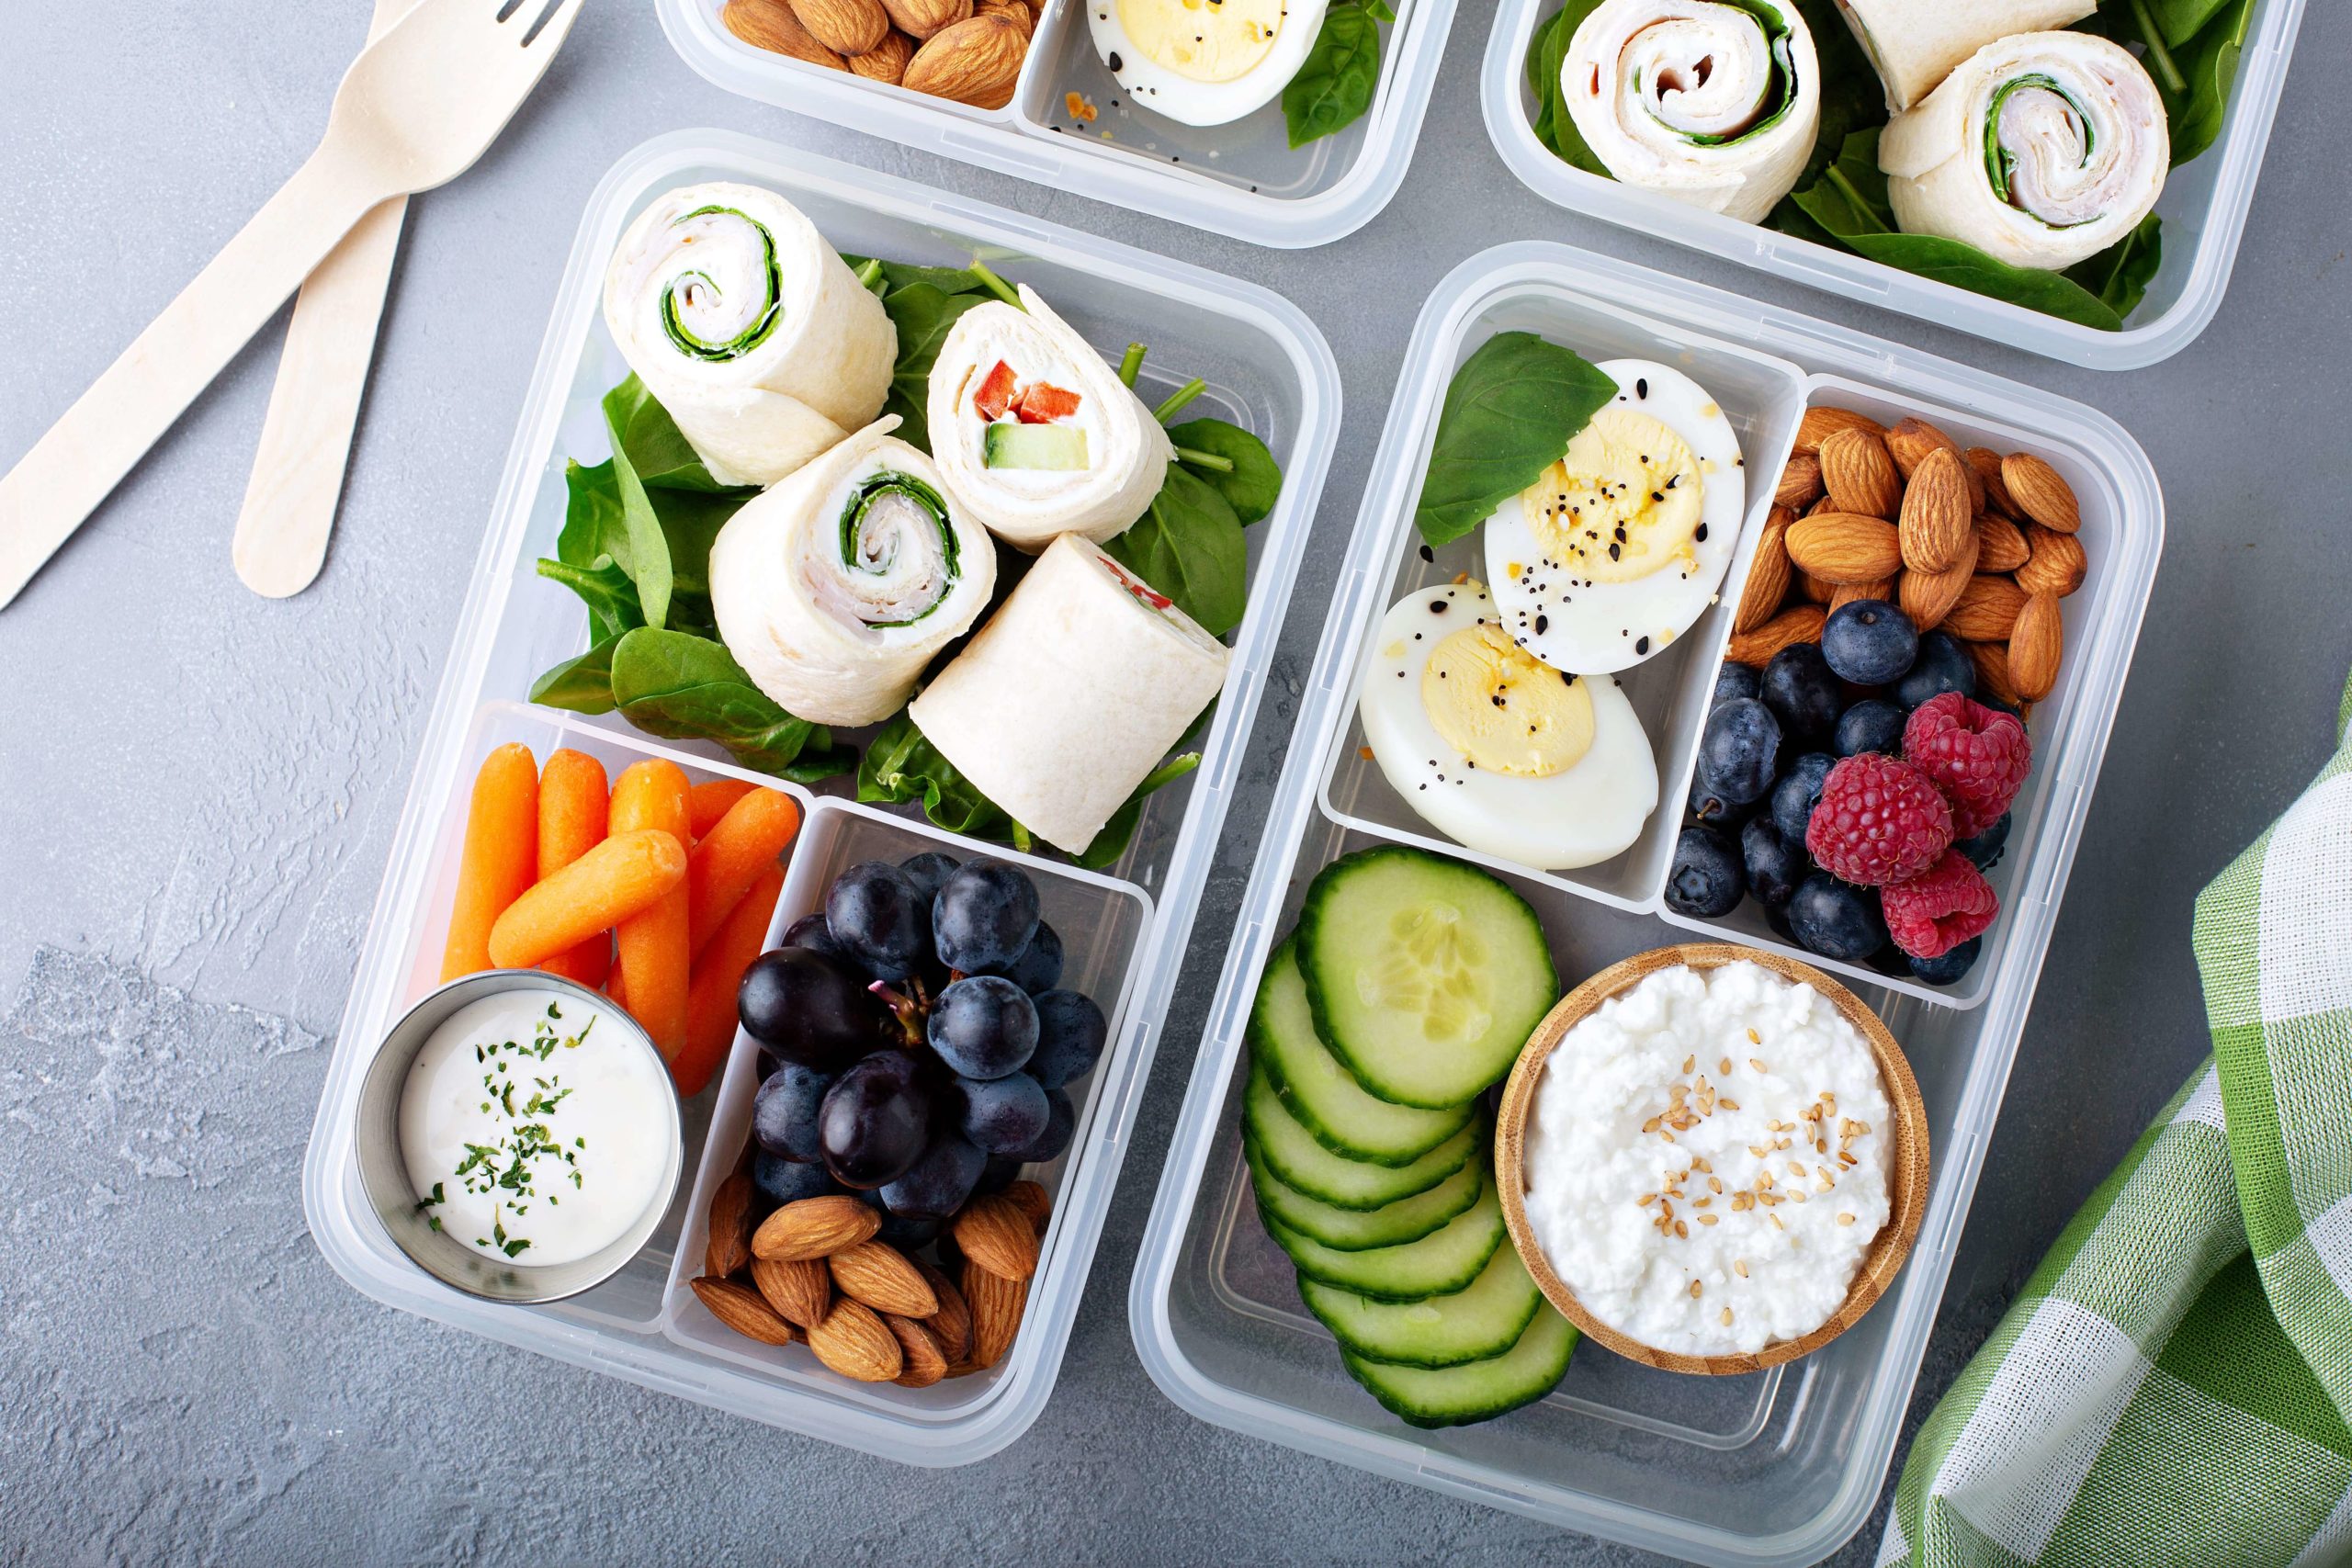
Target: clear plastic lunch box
x,y
2204,207
1782,1466
1267,369
1242,179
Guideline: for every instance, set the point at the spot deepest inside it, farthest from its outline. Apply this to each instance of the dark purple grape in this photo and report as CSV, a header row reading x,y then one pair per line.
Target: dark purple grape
x,y
1039,967
782,1181
1001,1172
938,1184
907,1234
875,1119
984,1027
809,1009
1003,1116
875,913
1070,1032
1061,1120
810,932
929,872
984,914
784,1112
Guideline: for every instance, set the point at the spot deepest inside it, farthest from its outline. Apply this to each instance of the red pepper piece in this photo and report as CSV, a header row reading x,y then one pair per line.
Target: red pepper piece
x,y
1041,402
995,394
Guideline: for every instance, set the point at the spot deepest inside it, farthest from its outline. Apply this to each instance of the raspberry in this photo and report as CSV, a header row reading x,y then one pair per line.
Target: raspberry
x,y
1977,755
1880,820
1931,914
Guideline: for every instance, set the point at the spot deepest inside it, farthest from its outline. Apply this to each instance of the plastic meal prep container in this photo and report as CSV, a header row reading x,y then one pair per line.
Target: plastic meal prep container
x,y
1782,1466
1242,179
1267,369
2203,207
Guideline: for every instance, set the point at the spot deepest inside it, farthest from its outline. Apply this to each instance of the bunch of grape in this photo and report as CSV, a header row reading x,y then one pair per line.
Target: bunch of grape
x,y
918,1048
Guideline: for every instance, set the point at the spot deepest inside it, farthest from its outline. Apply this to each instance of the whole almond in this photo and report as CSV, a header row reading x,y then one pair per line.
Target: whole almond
x,y
1909,442
1031,1199
1012,11
1844,547
845,26
1821,505
1928,596
729,1247
1845,593
879,1275
1859,474
922,1362
2057,564
1986,609
2001,544
1987,464
921,18
997,1306
1821,422
1800,622
1800,484
2041,493
1768,577
1938,522
742,1309
886,61
952,1324
815,1227
855,1342
801,1291
770,25
994,1233
974,61
1992,660
2037,645
1813,589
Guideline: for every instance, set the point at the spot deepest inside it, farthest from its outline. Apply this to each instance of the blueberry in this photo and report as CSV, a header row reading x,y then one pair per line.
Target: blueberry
x,y
782,1181
810,932
1706,879
984,915
1061,1120
1732,682
1948,969
929,872
1738,751
1802,693
1039,967
1708,807
874,912
1001,1116
1871,724
1773,867
1942,666
938,1183
1070,1033
784,1112
1869,641
1834,921
984,1026
1984,851
1798,792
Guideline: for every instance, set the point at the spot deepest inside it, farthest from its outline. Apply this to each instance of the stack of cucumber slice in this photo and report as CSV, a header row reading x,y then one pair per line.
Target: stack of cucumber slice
x,y
1407,991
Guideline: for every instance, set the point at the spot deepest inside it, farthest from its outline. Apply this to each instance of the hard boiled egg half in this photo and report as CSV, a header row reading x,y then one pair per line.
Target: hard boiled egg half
x,y
1204,62
1496,750
1622,543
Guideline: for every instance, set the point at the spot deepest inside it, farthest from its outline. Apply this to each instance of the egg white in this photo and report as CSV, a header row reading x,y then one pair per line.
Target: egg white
x,y
1593,628
1586,814
1151,86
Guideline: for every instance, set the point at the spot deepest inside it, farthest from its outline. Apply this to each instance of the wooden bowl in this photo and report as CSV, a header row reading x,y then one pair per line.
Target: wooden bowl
x,y
1907,1156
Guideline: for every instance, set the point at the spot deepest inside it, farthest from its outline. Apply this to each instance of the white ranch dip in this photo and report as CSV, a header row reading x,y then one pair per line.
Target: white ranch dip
x,y
1706,1162
533,1127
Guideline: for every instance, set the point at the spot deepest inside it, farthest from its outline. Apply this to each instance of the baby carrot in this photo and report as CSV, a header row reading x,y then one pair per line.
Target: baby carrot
x,y
718,975
652,944
626,874
572,796
501,857
732,856
712,799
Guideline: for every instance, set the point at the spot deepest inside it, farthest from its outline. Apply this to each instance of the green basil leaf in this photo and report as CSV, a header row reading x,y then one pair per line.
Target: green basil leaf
x,y
1189,546
643,551
2121,274
902,765
608,591
1255,480
689,688
1509,412
923,313
1965,266
1335,86
583,684
1110,841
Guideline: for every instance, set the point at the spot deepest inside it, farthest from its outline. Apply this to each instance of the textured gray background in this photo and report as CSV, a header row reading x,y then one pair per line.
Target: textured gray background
x,y
197,791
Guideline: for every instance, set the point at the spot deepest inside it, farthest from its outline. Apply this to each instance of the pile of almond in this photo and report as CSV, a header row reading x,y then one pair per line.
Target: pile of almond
x,y
969,51
813,1271
1977,543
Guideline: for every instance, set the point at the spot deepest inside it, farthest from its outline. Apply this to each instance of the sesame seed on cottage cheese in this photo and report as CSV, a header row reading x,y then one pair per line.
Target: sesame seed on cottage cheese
x,y
1706,1159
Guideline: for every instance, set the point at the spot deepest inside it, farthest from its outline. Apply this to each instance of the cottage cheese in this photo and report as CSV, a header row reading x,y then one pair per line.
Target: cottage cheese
x,y
1706,1159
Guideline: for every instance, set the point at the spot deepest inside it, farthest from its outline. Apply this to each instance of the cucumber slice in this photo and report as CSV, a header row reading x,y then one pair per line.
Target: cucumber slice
x,y
1308,1166
1444,1261
1477,1391
1060,447
1443,1331
1350,1230
1325,1100
1426,975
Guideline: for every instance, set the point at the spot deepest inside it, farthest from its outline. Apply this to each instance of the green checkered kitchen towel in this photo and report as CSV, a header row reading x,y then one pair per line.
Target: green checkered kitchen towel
x,y
2173,1387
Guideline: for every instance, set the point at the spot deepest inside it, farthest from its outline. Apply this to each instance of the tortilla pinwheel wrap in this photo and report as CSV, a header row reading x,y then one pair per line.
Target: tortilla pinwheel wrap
x,y
1037,435
751,330
1913,44
837,586
2042,151
1716,104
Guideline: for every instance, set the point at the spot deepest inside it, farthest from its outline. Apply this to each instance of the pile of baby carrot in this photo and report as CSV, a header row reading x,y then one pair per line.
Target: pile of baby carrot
x,y
657,891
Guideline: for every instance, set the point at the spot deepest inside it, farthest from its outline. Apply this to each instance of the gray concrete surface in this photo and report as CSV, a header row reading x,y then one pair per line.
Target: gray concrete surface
x,y
197,791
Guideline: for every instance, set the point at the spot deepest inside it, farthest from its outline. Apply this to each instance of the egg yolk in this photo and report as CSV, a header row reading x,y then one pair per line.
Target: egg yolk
x,y
1503,709
1206,40
1622,503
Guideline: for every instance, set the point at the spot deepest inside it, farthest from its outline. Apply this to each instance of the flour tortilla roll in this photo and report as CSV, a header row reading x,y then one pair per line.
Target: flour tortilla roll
x,y
2041,150
1714,105
1037,436
747,326
1913,44
835,588
1071,693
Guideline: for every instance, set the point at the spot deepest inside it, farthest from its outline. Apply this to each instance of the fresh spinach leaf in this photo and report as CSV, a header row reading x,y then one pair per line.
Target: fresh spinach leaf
x,y
656,450
643,550
1110,841
1850,196
2207,66
592,531
1851,96
608,591
1509,412
689,688
1547,51
1253,482
1334,86
2121,274
923,313
2177,21
690,525
902,765
583,684
1189,545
